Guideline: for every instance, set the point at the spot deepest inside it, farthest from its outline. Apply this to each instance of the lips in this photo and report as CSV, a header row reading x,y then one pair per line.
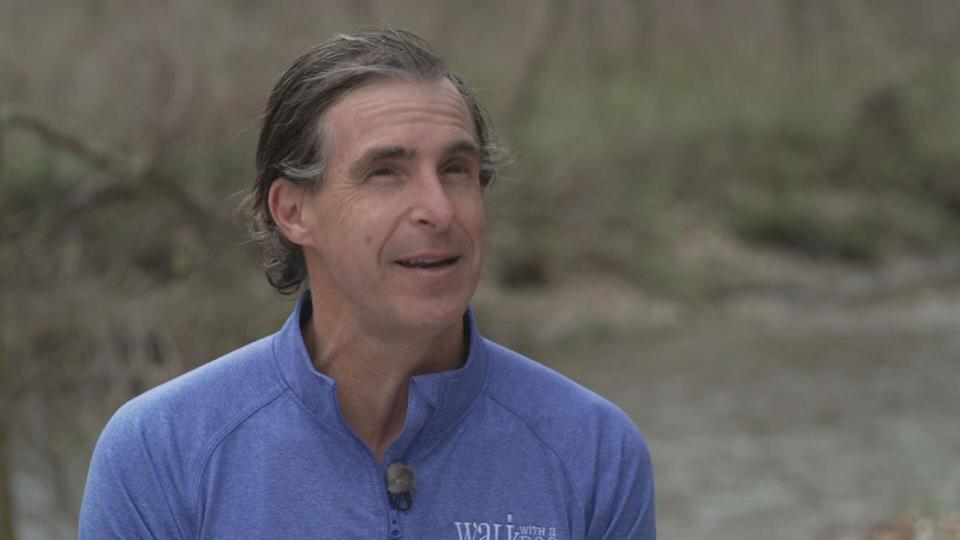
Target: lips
x,y
427,262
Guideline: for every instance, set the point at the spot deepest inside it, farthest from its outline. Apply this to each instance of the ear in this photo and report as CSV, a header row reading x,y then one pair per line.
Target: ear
x,y
286,201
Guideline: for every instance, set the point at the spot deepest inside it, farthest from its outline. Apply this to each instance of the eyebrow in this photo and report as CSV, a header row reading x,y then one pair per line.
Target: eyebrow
x,y
467,146
380,153
387,152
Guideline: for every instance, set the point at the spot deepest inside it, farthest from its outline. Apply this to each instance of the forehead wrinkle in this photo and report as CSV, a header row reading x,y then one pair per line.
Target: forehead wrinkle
x,y
411,112
367,115
369,103
379,144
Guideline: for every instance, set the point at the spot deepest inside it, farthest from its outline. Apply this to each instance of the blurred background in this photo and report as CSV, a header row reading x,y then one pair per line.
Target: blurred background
x,y
738,220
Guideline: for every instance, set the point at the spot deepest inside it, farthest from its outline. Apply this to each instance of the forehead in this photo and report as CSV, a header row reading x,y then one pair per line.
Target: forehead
x,y
397,110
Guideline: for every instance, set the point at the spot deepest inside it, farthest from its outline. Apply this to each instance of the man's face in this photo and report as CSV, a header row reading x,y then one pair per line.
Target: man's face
x,y
397,226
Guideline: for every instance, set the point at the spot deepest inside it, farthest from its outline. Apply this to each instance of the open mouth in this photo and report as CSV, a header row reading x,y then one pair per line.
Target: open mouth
x,y
427,263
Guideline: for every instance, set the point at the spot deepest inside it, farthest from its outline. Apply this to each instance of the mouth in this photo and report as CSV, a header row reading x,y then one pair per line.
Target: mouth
x,y
427,262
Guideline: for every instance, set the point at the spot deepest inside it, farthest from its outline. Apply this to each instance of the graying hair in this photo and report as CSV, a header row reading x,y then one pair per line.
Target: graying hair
x,y
294,143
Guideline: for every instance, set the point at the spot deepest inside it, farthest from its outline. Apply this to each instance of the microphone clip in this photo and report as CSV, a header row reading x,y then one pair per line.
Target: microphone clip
x,y
401,501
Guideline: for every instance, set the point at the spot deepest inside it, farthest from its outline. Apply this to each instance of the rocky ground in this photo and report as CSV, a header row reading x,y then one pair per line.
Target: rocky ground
x,y
827,410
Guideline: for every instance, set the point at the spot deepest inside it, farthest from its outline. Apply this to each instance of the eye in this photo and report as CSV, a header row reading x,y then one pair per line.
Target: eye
x,y
457,169
382,172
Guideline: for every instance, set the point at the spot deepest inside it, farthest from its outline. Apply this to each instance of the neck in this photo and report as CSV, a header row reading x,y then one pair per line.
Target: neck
x,y
373,372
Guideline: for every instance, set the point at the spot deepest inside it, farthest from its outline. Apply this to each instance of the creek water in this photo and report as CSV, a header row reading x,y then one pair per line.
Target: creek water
x,y
774,419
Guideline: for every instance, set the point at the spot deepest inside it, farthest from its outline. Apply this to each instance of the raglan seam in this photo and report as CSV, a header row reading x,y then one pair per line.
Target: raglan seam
x,y
163,491
566,469
223,433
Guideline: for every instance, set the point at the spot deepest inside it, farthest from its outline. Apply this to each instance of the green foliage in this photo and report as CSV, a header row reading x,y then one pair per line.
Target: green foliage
x,y
30,173
855,226
849,174
803,228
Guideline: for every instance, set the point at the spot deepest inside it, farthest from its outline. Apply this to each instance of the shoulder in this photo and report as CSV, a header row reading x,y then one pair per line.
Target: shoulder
x,y
551,403
205,398
145,467
180,421
605,456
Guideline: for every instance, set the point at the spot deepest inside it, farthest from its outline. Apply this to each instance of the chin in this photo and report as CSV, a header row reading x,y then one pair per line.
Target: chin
x,y
433,316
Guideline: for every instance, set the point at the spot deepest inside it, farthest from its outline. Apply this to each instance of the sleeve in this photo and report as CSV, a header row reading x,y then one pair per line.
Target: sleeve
x,y
124,496
624,507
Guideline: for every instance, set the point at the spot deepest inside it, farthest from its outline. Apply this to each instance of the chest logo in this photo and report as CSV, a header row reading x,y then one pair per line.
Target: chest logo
x,y
508,530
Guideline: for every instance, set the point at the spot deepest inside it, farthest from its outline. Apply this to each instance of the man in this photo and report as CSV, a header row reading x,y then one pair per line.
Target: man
x,y
378,410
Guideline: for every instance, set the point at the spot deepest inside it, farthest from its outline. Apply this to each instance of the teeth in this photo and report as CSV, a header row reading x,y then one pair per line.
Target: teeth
x,y
425,262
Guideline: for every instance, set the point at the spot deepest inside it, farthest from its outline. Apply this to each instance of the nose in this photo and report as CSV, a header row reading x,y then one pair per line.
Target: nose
x,y
433,207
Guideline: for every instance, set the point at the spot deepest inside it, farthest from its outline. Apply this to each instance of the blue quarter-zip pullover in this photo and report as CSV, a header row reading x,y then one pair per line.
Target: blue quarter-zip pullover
x,y
253,445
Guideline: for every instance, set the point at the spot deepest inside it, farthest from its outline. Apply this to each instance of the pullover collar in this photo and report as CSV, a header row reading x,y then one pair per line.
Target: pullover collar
x,y
437,400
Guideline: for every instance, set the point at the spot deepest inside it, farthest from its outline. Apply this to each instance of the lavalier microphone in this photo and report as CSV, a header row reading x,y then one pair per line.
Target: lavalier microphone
x,y
401,481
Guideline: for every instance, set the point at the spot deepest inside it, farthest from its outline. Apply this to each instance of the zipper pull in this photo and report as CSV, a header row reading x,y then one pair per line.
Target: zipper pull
x,y
395,524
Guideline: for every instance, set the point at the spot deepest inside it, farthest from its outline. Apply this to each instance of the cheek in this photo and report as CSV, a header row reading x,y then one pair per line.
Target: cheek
x,y
473,217
359,228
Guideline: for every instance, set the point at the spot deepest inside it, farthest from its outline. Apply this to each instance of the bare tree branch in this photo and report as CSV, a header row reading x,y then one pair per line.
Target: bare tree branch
x,y
128,172
17,117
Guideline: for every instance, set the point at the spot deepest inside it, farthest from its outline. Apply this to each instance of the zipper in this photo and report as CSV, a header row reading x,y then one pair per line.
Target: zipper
x,y
395,531
393,515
